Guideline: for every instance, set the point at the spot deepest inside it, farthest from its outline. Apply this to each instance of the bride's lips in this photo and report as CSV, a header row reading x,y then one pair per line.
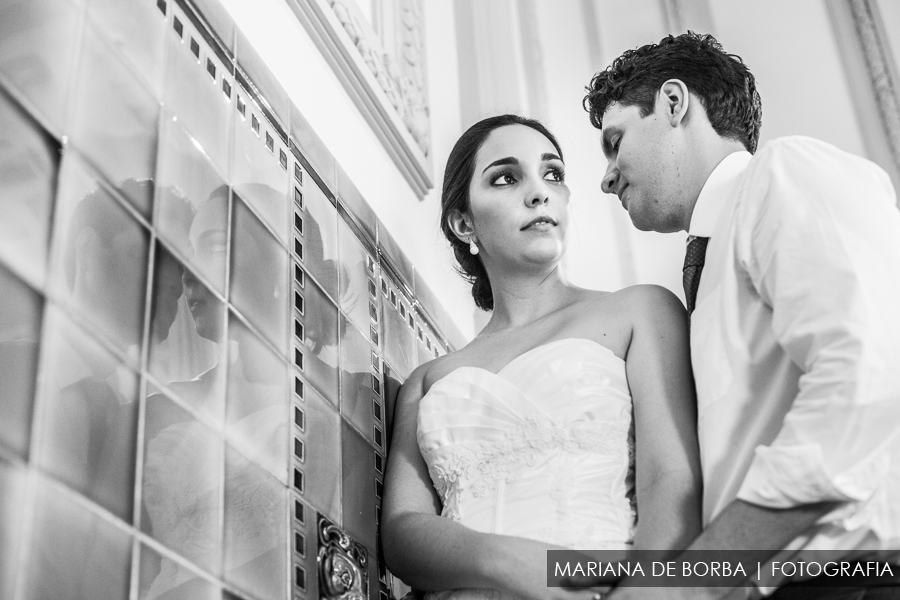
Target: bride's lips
x,y
550,221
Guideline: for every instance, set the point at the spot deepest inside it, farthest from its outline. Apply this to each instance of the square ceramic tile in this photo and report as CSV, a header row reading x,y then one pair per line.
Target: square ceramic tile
x,y
90,409
259,276
161,575
75,553
319,348
38,46
100,255
135,31
358,474
182,485
187,336
255,537
29,162
323,462
356,379
19,347
114,120
192,204
257,402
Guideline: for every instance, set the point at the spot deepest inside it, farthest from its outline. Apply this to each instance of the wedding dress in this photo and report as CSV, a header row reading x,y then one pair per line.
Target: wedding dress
x,y
543,449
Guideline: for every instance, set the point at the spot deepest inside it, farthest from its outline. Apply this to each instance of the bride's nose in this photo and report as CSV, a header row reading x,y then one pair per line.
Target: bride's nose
x,y
536,199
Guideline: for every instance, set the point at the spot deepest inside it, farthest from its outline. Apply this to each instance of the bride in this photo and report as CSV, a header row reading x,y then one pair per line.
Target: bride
x,y
568,422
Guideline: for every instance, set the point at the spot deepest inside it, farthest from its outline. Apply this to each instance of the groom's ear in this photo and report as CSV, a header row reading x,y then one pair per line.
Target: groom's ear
x,y
673,101
461,225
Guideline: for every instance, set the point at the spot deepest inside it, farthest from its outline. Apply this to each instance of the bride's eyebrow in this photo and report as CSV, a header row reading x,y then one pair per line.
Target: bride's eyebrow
x,y
550,156
509,160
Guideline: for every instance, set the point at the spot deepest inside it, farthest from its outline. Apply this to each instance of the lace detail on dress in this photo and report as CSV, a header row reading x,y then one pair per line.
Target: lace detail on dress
x,y
487,465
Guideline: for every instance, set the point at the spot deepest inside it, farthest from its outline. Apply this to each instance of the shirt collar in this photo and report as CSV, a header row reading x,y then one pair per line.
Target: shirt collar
x,y
717,188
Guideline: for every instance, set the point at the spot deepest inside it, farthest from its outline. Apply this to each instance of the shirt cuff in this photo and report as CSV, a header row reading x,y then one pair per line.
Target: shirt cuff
x,y
788,476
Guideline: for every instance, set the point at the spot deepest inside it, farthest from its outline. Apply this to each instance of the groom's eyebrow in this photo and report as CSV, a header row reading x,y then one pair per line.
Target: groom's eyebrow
x,y
509,160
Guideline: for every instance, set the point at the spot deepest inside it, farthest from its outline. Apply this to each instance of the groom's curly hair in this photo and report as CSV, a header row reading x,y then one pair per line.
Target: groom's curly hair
x,y
722,82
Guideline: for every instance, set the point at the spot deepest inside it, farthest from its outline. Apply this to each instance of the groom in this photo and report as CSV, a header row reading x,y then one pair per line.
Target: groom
x,y
792,279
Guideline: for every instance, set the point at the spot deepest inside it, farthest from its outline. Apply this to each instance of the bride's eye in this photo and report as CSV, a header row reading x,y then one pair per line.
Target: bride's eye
x,y
503,178
555,174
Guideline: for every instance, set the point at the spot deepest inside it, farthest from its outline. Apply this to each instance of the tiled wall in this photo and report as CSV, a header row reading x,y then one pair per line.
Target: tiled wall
x,y
203,323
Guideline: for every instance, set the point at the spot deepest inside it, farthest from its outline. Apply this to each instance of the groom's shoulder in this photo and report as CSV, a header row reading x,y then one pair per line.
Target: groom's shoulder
x,y
804,154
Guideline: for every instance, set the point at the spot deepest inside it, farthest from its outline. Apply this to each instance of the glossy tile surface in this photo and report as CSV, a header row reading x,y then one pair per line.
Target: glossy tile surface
x,y
357,390
323,434
20,331
38,50
116,132
160,575
75,553
101,254
358,475
255,538
320,254
257,409
354,277
192,204
320,345
12,508
88,434
187,337
259,276
182,485
29,160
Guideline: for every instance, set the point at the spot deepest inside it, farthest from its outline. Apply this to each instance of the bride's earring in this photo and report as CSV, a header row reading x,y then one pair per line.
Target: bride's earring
x,y
473,249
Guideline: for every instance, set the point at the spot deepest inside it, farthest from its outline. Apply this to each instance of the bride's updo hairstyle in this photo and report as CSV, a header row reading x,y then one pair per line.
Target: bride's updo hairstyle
x,y
455,196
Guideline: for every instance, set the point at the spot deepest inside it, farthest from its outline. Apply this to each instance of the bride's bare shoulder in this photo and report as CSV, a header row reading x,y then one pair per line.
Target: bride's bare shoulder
x,y
425,375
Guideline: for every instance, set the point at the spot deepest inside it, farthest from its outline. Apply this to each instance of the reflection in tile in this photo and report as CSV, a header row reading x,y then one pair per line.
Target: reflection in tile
x,y
192,204
28,162
162,578
257,410
252,64
392,254
75,554
90,416
12,505
358,475
429,303
354,278
20,329
321,251
37,52
399,340
392,382
320,345
323,441
187,329
255,537
118,132
259,276
358,207
259,178
100,255
197,101
182,487
356,379
135,31
305,140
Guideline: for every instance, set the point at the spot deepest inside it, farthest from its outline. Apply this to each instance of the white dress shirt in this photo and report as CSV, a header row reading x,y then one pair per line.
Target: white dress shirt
x,y
795,341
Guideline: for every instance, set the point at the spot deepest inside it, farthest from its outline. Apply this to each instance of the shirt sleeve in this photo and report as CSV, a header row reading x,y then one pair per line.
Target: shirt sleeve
x,y
819,241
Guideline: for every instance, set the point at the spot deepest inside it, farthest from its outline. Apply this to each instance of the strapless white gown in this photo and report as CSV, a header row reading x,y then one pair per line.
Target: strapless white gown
x,y
544,449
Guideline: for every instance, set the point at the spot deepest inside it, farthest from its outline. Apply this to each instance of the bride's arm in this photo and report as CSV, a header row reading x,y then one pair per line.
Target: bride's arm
x,y
433,553
667,463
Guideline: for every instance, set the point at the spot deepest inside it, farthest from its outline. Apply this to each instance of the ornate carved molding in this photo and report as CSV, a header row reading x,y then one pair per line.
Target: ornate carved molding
x,y
342,564
389,88
882,75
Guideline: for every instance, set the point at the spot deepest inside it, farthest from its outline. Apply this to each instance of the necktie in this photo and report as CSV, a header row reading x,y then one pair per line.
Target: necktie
x,y
694,259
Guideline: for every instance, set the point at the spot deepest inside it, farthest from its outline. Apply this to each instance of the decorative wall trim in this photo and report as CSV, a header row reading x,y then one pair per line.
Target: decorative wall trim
x,y
389,88
872,79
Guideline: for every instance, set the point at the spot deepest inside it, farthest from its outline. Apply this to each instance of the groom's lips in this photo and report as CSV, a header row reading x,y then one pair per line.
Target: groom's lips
x,y
621,195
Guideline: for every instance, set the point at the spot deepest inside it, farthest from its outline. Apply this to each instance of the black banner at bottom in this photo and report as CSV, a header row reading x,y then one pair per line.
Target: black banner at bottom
x,y
700,568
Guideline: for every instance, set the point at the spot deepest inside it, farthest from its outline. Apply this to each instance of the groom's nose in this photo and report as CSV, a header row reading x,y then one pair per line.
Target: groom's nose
x,y
610,182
